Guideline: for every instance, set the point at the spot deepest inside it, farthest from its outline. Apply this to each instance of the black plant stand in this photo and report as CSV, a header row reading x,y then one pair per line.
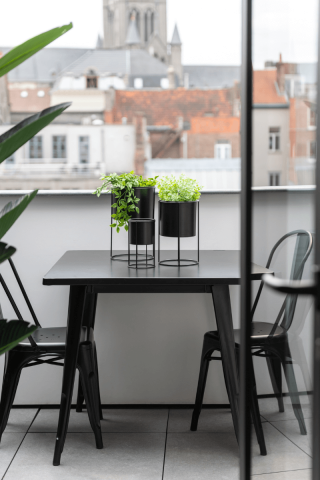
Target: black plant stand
x,y
178,262
141,232
146,196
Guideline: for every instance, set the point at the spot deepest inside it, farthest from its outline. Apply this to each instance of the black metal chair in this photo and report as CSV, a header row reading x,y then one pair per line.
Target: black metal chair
x,y
269,340
47,345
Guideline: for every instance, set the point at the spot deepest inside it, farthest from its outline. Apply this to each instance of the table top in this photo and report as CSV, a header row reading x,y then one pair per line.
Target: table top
x,y
95,268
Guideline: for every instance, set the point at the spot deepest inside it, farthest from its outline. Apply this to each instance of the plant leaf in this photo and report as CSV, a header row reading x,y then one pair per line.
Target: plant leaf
x,y
12,211
24,51
6,252
13,332
17,136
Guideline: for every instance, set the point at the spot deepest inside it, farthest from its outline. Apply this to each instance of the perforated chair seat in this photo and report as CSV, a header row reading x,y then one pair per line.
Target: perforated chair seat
x,y
51,337
260,332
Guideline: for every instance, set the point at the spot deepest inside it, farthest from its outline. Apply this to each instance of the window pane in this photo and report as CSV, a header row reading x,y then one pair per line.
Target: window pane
x,y
59,146
84,149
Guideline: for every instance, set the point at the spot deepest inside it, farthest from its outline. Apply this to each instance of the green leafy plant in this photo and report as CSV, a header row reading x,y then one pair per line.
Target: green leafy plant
x,y
181,189
13,332
123,188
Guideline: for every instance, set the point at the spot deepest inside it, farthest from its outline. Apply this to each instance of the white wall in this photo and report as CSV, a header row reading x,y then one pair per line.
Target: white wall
x,y
148,345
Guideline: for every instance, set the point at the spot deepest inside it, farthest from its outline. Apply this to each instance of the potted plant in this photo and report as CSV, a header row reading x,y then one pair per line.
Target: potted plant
x,y
178,199
132,197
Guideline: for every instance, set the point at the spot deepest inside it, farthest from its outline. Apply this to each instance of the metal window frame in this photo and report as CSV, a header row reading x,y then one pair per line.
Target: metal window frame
x,y
246,254
246,241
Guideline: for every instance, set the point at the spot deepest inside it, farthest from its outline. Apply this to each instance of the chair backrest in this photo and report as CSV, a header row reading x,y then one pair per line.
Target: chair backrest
x,y
302,250
13,303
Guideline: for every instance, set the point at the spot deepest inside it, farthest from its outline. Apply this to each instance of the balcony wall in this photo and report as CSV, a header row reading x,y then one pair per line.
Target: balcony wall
x,y
148,345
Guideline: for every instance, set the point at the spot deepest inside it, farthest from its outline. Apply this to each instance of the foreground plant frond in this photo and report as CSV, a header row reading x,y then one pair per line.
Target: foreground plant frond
x,y
24,51
13,332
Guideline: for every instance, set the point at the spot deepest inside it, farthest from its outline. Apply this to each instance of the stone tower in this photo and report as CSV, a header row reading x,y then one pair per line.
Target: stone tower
x,y
175,56
151,22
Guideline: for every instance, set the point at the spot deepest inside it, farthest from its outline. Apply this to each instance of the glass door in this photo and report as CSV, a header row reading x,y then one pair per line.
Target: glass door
x,y
280,222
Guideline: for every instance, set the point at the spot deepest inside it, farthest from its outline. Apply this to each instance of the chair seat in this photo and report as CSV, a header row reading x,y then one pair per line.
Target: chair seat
x,y
51,337
260,332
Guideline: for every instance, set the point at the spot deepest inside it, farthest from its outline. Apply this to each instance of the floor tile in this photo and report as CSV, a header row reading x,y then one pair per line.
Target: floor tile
x,y
132,456
9,445
115,420
282,454
201,455
270,411
291,430
295,475
213,420
216,455
20,419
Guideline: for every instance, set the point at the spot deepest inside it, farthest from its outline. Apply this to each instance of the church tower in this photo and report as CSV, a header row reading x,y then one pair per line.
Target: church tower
x,y
151,23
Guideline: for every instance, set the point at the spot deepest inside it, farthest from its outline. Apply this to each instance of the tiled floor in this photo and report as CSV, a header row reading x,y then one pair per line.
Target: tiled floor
x,y
152,445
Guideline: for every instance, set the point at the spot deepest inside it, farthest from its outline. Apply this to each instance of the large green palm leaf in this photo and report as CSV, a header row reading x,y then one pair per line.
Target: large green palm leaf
x,y
12,211
13,332
21,133
6,252
24,51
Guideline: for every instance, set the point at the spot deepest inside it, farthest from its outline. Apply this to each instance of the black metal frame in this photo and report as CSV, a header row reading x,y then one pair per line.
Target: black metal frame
x,y
168,262
246,243
84,357
144,262
123,257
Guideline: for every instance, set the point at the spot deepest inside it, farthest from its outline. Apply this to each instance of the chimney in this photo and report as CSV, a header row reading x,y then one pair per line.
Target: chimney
x,y
281,75
171,77
140,124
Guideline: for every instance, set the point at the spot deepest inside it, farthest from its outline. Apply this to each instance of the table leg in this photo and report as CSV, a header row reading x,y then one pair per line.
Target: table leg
x,y
222,308
89,316
75,314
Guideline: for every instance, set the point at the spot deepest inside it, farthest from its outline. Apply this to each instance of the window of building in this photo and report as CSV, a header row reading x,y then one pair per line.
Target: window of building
x,y
35,147
138,83
84,149
274,139
274,179
92,82
313,149
312,118
59,146
222,150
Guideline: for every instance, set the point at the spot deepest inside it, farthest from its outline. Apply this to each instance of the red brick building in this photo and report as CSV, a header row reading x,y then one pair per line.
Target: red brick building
x,y
182,123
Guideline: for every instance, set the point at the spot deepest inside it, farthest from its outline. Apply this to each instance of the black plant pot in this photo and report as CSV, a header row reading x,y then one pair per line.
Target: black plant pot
x,y
141,232
178,219
145,205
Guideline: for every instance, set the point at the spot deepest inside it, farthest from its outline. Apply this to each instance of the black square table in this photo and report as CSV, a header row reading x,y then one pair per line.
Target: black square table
x,y
89,272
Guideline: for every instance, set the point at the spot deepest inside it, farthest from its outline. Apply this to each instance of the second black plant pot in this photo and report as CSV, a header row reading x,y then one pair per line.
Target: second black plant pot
x,y
141,232
178,219
146,196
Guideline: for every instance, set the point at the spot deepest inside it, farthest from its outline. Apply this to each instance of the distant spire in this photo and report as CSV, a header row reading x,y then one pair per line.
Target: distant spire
x,y
176,37
133,37
99,43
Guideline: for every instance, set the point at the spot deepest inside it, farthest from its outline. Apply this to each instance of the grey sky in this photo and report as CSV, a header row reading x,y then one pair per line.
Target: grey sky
x,y
210,29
